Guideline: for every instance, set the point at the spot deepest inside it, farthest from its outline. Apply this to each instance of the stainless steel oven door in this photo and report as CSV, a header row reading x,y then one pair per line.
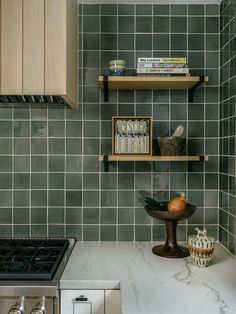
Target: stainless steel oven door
x,y
28,305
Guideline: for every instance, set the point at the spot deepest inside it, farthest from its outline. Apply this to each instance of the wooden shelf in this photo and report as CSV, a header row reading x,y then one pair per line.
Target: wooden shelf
x,y
152,158
151,82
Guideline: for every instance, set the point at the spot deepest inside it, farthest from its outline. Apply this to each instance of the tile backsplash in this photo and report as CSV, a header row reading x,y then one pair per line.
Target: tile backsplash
x,y
51,182
227,231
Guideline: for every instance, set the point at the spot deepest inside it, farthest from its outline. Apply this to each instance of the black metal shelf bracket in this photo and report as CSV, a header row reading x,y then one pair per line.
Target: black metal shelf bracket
x,y
202,158
106,163
191,91
106,88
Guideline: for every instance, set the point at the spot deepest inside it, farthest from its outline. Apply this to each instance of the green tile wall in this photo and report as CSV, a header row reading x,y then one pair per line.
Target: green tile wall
x,y
51,182
227,122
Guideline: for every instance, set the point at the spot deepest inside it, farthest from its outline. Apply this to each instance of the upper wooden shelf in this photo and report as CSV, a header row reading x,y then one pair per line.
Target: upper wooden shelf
x,y
151,82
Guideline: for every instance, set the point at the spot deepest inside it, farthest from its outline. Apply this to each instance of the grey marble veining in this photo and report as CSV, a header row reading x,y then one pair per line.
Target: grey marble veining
x,y
150,284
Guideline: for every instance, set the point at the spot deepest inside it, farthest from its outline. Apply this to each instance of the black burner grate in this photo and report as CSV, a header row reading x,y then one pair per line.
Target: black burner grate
x,y
30,259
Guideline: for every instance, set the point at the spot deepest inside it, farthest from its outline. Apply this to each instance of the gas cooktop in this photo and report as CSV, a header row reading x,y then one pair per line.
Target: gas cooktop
x,y
30,259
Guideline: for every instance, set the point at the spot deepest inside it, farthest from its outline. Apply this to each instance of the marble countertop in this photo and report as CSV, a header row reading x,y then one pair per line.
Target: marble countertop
x,y
150,284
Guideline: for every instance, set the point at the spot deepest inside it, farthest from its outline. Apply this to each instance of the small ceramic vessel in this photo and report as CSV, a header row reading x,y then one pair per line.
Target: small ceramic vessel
x,y
201,248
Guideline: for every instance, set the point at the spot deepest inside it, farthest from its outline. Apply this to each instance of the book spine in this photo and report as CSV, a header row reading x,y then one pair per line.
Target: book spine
x,y
160,65
163,60
164,71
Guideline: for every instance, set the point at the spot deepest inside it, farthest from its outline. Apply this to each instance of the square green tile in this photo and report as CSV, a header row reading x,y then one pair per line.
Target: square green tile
x,y
21,163
91,24
108,216
6,146
91,9
195,25
178,9
56,215
56,163
21,128
125,24
126,42
109,24
195,42
196,59
73,198
212,25
179,42
212,9
38,129
21,146
6,216
22,180
56,231
91,233
5,181
161,9
56,197
56,129
21,113
39,198
39,163
125,9
91,216
143,9
161,24
38,180
73,215
195,9
161,42
142,233
126,233
178,24
91,42
109,9
21,198
39,215
212,42
56,180
108,41
56,146
143,24
108,233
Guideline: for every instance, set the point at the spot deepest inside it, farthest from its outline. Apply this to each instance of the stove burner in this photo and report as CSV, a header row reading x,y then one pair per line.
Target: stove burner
x,y
30,259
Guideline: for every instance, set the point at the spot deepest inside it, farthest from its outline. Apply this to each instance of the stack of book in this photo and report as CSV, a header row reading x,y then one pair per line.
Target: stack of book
x,y
162,67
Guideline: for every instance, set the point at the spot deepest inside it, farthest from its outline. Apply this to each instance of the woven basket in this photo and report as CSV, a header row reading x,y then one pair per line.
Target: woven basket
x,y
172,145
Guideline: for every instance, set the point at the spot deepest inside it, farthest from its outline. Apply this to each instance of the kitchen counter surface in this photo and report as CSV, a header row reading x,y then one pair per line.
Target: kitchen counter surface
x,y
150,284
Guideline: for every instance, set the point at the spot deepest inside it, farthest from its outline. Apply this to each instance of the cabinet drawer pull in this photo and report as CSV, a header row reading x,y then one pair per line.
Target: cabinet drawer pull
x,y
81,298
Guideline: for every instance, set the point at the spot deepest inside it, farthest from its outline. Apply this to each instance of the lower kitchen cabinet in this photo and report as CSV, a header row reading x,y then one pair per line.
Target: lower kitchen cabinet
x,y
90,302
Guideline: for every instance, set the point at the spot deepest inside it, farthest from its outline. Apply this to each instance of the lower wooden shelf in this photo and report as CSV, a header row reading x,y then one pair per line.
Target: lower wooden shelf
x,y
151,158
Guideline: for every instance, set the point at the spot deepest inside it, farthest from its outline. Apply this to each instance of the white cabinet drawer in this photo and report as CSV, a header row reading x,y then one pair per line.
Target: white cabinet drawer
x,y
82,302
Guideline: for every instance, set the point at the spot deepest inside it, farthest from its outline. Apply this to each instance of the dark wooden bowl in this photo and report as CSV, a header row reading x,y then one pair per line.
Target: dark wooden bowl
x,y
166,215
171,249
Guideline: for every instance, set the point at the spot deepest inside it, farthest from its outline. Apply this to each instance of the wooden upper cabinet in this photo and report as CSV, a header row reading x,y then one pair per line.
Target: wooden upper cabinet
x,y
11,47
33,47
55,46
38,52
61,49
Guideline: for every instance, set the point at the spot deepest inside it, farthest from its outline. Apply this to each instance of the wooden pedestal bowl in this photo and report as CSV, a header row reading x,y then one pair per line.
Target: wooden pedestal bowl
x,y
171,249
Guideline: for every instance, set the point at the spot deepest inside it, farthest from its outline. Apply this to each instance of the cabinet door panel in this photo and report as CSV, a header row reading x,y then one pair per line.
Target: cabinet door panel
x,y
11,47
93,305
112,302
33,47
55,47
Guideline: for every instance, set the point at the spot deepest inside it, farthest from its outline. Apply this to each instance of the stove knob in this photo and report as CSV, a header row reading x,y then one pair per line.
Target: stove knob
x,y
18,308
39,308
